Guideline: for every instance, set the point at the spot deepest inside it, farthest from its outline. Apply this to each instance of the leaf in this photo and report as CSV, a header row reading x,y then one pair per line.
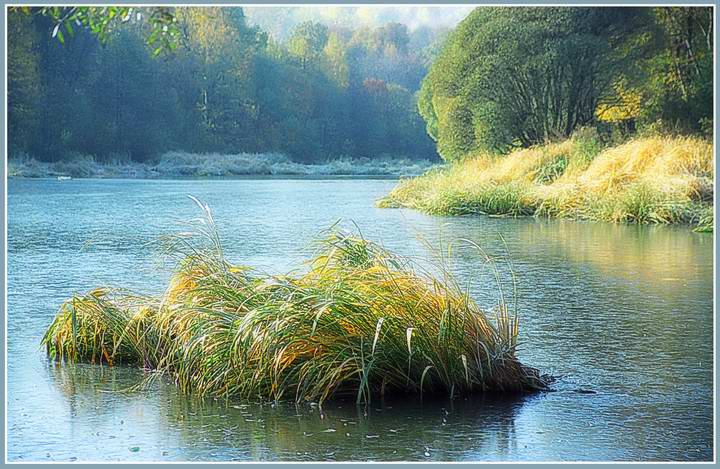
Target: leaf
x,y
55,30
464,362
422,378
73,319
61,37
377,333
409,333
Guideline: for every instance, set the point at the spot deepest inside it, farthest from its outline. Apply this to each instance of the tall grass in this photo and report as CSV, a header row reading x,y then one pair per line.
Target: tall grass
x,y
357,321
647,180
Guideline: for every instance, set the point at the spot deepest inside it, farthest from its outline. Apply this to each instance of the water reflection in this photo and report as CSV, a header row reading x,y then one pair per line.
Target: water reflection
x,y
204,429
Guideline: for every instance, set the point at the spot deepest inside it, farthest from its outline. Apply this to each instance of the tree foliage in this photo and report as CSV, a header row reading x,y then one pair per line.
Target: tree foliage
x,y
677,86
225,86
510,77
163,34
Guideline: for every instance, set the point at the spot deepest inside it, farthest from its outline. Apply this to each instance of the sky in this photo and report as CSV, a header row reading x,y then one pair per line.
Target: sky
x,y
280,21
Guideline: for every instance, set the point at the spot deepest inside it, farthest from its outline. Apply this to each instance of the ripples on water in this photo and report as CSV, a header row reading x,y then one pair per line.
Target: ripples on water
x,y
623,310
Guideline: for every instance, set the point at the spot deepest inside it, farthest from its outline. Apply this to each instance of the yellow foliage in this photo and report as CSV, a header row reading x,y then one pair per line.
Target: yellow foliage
x,y
627,104
208,29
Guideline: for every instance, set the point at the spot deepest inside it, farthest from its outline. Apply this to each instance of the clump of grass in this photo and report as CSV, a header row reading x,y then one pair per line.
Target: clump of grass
x,y
509,199
550,172
647,180
358,321
643,204
706,220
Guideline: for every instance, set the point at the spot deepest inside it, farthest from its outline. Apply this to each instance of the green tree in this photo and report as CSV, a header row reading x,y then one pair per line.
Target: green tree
x,y
519,76
677,86
308,41
24,86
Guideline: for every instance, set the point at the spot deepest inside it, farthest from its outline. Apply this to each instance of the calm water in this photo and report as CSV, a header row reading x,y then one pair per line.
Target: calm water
x,y
625,311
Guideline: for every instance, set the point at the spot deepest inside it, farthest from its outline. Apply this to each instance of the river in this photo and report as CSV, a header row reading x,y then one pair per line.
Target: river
x,y
625,312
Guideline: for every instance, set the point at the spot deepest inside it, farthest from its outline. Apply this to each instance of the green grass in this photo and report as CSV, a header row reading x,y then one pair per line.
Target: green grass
x,y
357,321
706,218
552,170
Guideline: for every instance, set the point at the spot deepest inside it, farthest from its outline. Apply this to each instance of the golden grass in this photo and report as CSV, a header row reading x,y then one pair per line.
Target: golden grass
x,y
646,180
357,321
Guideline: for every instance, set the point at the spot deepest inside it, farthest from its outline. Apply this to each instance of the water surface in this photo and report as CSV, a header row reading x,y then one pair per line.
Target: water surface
x,y
626,311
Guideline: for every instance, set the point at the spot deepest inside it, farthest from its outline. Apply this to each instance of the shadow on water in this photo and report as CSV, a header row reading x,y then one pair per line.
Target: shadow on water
x,y
393,429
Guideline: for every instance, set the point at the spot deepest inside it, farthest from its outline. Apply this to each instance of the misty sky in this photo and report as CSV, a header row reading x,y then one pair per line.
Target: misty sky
x,y
279,21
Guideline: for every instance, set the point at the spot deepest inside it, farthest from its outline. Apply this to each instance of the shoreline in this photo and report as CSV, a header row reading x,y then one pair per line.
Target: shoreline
x,y
180,165
651,180
165,177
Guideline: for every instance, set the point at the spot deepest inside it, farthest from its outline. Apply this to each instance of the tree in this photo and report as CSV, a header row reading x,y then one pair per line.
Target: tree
x,y
23,76
219,52
678,79
520,76
336,60
392,39
308,41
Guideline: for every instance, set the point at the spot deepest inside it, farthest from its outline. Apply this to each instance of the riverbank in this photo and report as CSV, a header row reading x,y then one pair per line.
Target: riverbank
x,y
646,180
182,164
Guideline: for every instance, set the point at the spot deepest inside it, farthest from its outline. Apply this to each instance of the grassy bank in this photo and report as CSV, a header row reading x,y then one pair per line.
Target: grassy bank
x,y
646,180
356,321
182,164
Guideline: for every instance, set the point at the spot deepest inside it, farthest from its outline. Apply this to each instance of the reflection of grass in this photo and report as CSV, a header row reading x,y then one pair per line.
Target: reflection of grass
x,y
360,321
208,429
649,180
653,255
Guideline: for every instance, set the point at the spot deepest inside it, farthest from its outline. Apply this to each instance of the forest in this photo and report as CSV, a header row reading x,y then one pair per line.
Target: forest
x,y
125,85
225,86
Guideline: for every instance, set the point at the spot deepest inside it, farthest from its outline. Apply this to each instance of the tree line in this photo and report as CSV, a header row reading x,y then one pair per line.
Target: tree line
x,y
113,90
515,77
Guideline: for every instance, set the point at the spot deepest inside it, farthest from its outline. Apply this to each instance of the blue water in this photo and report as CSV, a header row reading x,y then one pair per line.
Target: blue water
x,y
625,311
